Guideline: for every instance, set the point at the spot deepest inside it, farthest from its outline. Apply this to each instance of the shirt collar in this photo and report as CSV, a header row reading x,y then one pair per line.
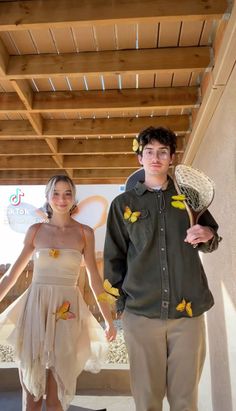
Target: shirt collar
x,y
141,188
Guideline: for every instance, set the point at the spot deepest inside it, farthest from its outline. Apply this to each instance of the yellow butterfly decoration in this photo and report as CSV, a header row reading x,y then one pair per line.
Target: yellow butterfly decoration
x,y
131,216
63,312
110,295
185,306
136,146
179,201
54,253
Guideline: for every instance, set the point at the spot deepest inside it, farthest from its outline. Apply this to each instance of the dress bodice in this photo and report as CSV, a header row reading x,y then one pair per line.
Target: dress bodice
x,y
56,266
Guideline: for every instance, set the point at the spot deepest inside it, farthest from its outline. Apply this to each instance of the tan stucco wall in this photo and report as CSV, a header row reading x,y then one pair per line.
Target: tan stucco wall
x,y
217,158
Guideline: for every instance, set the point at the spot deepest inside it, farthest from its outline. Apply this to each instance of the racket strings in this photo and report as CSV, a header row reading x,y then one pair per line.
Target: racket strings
x,y
195,185
192,197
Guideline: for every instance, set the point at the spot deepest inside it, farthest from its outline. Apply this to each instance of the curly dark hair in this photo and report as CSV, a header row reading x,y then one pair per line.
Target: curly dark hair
x,y
165,136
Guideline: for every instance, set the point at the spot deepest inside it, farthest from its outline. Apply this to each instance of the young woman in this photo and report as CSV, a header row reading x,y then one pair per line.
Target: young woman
x,y
50,327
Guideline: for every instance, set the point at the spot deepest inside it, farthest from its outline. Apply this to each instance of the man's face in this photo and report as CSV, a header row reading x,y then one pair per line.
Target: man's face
x,y
155,158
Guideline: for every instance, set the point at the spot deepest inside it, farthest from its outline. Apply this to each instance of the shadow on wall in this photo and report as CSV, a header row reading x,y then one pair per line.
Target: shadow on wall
x,y
221,385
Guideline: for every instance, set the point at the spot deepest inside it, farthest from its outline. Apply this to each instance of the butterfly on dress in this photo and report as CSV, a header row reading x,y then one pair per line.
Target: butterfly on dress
x,y
184,306
63,312
53,252
131,216
110,295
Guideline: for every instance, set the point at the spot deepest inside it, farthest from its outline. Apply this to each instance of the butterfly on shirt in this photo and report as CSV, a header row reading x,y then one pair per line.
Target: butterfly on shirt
x,y
110,295
185,306
131,216
63,312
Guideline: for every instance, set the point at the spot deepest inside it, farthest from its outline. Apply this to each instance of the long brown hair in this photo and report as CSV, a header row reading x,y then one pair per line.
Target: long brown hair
x,y
49,190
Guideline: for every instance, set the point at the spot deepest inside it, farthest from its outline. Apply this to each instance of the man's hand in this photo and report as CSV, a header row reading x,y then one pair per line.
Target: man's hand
x,y
198,234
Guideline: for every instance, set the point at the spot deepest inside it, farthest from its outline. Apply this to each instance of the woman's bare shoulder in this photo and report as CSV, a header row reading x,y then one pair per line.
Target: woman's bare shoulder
x,y
31,233
34,228
88,231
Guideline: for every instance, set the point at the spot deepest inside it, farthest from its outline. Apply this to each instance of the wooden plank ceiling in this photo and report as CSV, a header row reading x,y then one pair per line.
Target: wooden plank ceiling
x,y
78,80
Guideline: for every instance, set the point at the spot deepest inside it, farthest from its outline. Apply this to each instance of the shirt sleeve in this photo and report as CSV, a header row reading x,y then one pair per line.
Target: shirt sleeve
x,y
206,219
116,246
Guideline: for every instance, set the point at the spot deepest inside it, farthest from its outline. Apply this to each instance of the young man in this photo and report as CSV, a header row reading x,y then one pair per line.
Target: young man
x,y
149,256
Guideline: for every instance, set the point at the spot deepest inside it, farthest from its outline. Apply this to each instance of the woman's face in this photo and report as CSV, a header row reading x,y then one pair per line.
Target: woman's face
x,y
61,199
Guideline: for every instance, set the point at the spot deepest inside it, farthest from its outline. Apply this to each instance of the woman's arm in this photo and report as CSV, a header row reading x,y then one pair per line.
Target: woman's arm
x,y
10,277
95,281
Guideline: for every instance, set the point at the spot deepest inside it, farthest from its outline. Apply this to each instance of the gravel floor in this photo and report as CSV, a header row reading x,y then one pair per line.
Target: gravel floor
x,y
6,354
117,353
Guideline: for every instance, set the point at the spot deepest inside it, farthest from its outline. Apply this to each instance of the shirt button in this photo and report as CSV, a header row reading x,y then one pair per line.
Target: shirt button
x,y
162,249
162,229
165,304
165,290
163,268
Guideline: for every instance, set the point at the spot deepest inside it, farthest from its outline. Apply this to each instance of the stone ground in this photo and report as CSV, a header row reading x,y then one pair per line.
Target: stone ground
x,y
117,353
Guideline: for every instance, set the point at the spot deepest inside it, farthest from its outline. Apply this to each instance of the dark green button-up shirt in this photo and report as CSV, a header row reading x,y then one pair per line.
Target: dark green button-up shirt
x,y
148,259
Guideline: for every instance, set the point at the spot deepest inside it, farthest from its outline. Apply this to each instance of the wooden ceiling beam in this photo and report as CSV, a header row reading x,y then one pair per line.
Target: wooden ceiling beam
x,y
102,146
52,144
31,175
104,173
46,174
84,176
27,15
4,58
80,181
98,101
225,53
24,92
113,126
24,147
118,161
105,161
162,60
110,100
36,121
214,88
128,126
70,162
58,160
16,128
10,103
101,161
60,147
27,163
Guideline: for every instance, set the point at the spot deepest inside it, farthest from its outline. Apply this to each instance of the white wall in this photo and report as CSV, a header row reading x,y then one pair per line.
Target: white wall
x,y
217,158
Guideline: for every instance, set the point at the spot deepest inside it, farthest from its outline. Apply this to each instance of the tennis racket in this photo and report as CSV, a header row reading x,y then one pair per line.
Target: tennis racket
x,y
197,188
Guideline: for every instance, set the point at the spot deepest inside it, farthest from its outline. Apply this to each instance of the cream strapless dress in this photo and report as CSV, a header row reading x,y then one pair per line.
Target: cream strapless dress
x,y
50,326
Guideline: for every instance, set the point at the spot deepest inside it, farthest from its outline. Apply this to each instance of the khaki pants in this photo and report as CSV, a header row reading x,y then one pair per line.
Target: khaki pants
x,y
166,358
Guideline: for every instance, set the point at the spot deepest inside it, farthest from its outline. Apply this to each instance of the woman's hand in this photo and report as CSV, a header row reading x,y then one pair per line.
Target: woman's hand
x,y
110,332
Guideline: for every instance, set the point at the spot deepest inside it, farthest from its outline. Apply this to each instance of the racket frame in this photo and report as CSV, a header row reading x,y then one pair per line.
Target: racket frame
x,y
193,215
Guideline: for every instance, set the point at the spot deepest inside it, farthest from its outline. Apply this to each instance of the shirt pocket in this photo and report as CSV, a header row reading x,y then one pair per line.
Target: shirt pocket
x,y
140,231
